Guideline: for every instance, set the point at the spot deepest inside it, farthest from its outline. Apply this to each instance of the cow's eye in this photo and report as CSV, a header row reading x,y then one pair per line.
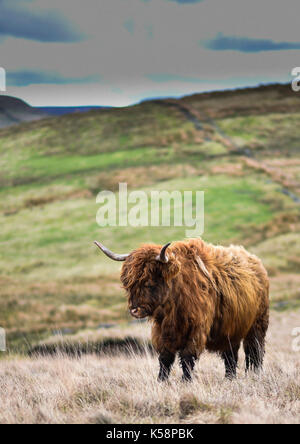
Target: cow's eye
x,y
150,287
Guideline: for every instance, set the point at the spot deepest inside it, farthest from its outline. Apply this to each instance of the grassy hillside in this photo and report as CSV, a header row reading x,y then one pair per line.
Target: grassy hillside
x,y
241,148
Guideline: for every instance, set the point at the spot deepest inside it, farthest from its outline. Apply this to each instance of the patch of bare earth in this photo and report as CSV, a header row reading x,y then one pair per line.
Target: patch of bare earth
x,y
279,171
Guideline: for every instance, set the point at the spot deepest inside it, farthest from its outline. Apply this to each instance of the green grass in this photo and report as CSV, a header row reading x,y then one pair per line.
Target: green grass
x,y
44,168
267,132
281,252
59,235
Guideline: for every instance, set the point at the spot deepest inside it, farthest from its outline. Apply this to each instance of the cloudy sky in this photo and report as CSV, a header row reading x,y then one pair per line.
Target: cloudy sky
x,y
118,52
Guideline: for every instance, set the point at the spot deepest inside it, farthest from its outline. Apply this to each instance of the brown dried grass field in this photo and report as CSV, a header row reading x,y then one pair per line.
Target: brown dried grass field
x,y
123,389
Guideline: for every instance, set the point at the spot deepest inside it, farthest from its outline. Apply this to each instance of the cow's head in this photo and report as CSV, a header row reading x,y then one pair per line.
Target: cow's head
x,y
146,276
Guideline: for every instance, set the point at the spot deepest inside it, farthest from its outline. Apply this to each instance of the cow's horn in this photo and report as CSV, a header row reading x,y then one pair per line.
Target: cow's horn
x,y
162,257
110,254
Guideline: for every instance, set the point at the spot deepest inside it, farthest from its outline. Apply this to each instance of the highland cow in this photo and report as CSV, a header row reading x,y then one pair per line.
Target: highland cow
x,y
199,297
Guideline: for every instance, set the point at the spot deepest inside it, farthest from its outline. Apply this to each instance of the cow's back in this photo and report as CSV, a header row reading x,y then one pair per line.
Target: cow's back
x,y
242,297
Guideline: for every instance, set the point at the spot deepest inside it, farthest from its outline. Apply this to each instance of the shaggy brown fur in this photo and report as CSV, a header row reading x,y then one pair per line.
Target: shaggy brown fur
x,y
205,297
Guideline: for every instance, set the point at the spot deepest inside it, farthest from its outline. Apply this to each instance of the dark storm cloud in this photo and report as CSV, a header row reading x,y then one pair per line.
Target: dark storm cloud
x,y
244,44
19,19
26,77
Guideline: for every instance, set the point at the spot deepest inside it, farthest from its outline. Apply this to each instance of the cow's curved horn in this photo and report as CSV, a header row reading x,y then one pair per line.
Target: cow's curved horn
x,y
110,254
162,257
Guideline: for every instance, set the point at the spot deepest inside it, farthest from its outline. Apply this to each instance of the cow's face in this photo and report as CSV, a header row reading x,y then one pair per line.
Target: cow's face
x,y
143,279
145,296
145,276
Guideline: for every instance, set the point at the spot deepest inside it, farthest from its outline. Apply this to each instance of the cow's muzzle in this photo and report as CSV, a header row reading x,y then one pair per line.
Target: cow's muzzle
x,y
138,313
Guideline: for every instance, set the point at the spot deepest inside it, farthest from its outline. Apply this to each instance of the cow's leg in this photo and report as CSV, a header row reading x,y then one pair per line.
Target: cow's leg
x,y
254,343
230,358
187,362
166,360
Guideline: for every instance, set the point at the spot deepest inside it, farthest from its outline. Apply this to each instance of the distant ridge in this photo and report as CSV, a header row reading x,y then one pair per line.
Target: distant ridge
x,y
262,99
14,111
61,110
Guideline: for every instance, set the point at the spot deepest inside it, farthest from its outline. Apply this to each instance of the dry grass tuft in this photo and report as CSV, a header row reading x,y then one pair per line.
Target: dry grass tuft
x,y
140,176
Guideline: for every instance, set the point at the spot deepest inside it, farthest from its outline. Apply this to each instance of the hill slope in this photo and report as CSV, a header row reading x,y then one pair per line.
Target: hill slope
x,y
14,111
241,148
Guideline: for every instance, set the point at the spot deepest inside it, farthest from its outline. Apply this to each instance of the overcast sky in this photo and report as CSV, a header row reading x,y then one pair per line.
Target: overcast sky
x,y
118,52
